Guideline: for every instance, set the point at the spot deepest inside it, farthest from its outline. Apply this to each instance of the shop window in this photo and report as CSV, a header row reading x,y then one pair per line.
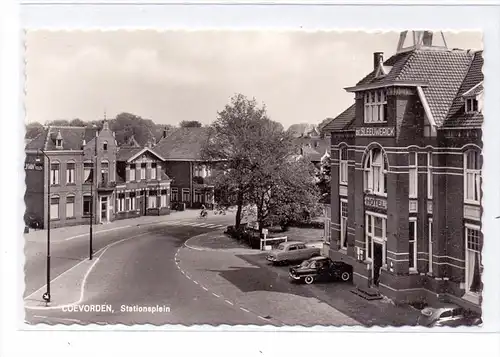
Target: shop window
x,y
152,199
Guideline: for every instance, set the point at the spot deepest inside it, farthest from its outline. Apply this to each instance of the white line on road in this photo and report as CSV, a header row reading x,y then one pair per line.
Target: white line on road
x,y
229,302
242,308
214,294
194,281
204,288
263,318
97,232
187,276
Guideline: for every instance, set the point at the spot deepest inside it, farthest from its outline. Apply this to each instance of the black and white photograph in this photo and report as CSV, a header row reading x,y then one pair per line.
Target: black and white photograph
x,y
253,178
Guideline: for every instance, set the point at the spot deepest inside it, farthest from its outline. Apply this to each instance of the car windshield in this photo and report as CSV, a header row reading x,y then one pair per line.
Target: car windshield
x,y
281,247
305,263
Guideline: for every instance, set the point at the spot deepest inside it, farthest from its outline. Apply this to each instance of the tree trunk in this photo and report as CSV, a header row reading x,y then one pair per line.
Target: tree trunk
x,y
239,209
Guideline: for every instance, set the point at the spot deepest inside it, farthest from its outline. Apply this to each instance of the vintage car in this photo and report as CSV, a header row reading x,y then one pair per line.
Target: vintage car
x,y
447,315
289,252
321,269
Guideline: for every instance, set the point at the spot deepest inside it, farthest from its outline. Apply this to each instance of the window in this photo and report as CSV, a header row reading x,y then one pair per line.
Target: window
x,y
430,177
70,172
163,198
412,248
197,196
343,224
54,173
375,106
87,203
70,206
471,105
153,171
209,198
375,172
54,207
143,171
120,202
472,177
473,259
87,171
152,199
105,146
132,172
132,200
196,171
375,232
343,166
104,172
174,194
413,173
186,197
59,143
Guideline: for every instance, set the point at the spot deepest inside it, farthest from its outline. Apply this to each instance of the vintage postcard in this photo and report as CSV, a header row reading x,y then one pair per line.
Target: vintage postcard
x,y
255,178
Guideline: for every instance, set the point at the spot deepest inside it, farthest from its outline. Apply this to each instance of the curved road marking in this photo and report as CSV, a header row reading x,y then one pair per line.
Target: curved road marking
x,y
82,288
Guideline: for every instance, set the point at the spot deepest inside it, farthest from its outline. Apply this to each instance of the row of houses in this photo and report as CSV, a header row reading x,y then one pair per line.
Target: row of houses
x,y
406,162
89,175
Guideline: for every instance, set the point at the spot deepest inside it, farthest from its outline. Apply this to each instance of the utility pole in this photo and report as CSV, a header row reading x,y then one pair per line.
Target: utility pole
x,y
46,295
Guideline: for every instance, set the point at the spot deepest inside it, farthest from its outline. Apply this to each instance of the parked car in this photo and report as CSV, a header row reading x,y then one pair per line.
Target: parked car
x,y
321,269
447,315
289,252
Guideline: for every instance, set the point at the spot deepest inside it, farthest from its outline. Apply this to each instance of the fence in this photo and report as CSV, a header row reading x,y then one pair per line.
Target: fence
x,y
264,240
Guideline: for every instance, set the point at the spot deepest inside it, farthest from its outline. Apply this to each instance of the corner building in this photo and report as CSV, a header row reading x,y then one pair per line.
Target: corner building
x,y
406,175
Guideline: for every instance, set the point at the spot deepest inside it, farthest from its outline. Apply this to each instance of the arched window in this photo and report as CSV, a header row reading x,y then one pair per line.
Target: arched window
x,y
70,172
375,172
343,165
472,177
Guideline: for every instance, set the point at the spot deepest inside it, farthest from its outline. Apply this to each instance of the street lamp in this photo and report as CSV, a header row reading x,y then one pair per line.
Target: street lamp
x,y
46,295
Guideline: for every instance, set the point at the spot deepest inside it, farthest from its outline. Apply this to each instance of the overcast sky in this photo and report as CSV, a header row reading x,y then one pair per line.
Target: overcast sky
x,y
177,75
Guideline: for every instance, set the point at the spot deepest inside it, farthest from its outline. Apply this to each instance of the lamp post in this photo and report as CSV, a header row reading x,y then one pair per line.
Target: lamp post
x,y
91,217
46,295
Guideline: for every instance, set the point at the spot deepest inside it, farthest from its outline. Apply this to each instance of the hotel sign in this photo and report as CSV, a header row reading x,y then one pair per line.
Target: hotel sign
x,y
386,131
375,202
33,166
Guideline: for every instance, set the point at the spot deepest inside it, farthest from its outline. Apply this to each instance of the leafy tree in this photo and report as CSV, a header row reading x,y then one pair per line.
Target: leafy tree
x,y
190,124
77,122
324,180
33,130
59,122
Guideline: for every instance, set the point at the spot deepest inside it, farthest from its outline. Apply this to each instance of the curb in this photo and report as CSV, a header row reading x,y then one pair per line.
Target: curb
x,y
222,250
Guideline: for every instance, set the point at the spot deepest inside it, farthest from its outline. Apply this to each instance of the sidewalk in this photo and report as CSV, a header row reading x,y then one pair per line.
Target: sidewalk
x,y
221,257
81,230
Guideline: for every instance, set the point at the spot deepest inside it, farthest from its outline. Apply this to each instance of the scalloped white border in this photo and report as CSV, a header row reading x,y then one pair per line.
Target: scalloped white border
x,y
236,17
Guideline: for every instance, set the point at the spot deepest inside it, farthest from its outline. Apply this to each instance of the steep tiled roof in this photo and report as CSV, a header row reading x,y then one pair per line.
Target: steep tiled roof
x,y
442,71
183,144
342,121
72,138
456,115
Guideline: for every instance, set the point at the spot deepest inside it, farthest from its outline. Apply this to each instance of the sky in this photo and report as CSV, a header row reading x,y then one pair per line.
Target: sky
x,y
172,76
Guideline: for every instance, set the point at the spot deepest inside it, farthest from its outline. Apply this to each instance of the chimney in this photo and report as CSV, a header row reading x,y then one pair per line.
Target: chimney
x,y
165,132
427,38
377,58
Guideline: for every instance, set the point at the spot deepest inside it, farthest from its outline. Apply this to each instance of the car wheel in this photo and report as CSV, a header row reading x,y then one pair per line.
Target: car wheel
x,y
346,276
309,280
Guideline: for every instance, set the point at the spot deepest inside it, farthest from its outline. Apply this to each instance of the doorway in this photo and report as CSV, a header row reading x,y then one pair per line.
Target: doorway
x,y
377,261
104,209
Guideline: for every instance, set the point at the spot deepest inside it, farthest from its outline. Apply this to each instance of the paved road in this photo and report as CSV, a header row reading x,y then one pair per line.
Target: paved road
x,y
139,272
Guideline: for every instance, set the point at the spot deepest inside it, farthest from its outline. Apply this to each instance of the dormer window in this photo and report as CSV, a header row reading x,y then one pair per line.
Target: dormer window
x,y
471,105
375,106
59,143
105,146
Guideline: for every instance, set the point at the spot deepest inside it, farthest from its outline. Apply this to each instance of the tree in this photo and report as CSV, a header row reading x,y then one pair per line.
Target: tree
x,y
233,144
77,122
59,122
33,130
190,124
324,180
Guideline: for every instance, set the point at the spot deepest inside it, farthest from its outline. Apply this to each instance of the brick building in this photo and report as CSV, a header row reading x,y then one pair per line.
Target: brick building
x,y
406,175
181,150
88,170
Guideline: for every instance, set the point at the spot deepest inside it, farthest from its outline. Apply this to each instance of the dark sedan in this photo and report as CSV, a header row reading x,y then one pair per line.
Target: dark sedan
x,y
321,269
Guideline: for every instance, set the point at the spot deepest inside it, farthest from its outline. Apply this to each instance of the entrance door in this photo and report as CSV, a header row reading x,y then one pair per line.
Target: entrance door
x,y
377,262
104,209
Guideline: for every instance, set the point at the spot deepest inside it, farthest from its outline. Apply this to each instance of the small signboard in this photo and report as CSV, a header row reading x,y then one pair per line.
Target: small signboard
x,y
265,231
386,131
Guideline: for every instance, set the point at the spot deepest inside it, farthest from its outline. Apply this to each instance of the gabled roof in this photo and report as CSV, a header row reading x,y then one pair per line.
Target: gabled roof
x,y
72,138
439,73
341,122
183,144
131,153
457,117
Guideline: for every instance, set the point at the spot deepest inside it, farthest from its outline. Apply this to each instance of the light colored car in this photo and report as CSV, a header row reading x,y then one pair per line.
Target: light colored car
x,y
289,252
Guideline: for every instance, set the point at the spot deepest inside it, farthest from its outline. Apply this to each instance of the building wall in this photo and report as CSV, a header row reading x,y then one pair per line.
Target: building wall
x,y
35,194
446,208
